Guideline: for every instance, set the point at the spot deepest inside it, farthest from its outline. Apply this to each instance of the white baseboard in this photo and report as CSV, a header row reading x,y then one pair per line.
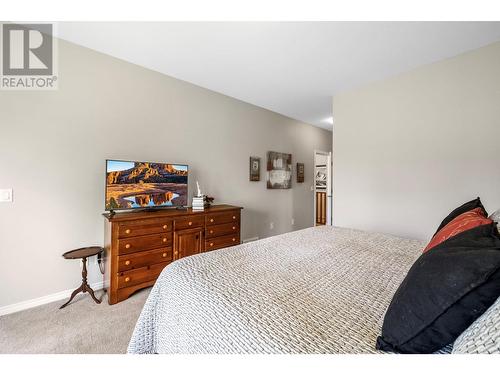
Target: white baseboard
x,y
250,239
9,309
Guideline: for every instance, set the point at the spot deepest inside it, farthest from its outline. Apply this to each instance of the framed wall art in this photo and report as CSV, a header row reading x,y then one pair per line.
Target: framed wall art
x,y
279,170
300,172
254,168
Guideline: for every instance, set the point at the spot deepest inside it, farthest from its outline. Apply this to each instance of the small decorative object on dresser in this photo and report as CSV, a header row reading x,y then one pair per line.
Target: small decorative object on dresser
x,y
300,172
208,201
198,204
140,244
254,168
198,200
279,170
198,190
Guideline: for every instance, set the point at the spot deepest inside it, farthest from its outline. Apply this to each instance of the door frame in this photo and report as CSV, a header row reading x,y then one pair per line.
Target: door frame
x,y
329,168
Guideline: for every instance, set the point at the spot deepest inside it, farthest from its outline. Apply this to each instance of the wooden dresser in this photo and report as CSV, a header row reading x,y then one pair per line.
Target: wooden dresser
x,y
139,244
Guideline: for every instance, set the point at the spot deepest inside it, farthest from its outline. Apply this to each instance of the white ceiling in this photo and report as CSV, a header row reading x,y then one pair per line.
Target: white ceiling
x,y
290,68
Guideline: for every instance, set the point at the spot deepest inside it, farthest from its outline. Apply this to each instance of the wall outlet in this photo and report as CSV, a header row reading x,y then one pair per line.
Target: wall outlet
x,y
293,221
6,195
271,225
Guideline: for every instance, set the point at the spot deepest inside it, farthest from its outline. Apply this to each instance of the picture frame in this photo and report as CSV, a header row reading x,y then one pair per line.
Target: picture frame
x,y
320,177
254,172
300,172
279,170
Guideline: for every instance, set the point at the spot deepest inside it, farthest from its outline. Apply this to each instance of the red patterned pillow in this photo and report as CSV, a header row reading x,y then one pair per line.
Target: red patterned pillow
x,y
468,220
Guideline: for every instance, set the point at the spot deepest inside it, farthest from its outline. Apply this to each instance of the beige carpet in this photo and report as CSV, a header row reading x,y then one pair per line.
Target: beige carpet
x,y
81,327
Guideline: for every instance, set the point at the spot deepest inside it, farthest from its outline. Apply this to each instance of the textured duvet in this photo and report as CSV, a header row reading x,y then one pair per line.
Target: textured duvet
x,y
317,290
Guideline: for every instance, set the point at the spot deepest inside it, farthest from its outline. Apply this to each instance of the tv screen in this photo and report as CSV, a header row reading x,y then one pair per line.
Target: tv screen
x,y
134,184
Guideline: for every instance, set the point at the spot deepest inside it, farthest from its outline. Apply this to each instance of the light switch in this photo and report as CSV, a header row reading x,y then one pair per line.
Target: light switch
x,y
5,195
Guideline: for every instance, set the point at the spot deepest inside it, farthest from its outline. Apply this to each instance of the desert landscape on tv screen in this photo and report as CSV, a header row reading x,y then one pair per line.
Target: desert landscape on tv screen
x,y
136,184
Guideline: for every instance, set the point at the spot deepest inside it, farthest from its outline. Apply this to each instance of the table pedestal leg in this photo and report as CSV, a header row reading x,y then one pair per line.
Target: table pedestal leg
x,y
85,287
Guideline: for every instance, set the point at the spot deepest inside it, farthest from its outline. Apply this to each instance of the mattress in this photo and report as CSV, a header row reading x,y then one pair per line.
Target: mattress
x,y
318,290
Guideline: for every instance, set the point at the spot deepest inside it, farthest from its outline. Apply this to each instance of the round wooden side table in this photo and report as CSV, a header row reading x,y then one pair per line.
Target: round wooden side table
x,y
83,254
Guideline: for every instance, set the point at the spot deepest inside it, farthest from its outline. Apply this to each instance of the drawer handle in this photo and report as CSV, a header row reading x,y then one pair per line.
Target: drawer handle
x,y
234,217
127,279
164,239
234,239
176,252
234,228
127,231
211,231
165,226
211,244
211,220
127,262
164,255
127,246
190,223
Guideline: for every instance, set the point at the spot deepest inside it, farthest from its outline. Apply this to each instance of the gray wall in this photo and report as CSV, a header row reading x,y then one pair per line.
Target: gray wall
x,y
53,146
409,149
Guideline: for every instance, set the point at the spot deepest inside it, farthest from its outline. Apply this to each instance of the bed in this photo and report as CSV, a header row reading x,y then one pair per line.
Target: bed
x,y
318,290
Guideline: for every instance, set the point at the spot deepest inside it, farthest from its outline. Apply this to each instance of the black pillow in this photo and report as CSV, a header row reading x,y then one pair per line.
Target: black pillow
x,y
444,292
475,203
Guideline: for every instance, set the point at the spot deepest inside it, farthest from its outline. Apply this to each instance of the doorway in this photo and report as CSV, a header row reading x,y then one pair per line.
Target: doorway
x,y
322,188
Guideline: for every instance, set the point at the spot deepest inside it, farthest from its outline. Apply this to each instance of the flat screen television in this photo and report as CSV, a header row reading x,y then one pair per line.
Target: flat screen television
x,y
137,184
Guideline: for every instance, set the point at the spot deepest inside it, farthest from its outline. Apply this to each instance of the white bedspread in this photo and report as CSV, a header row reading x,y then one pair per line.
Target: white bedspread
x,y
317,290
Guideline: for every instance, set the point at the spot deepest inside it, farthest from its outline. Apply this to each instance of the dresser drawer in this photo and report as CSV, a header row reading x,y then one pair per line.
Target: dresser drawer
x,y
143,227
152,241
222,229
223,217
140,275
144,258
189,222
220,242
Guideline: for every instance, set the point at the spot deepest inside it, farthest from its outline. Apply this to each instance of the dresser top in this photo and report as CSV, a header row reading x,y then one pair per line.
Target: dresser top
x,y
166,212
